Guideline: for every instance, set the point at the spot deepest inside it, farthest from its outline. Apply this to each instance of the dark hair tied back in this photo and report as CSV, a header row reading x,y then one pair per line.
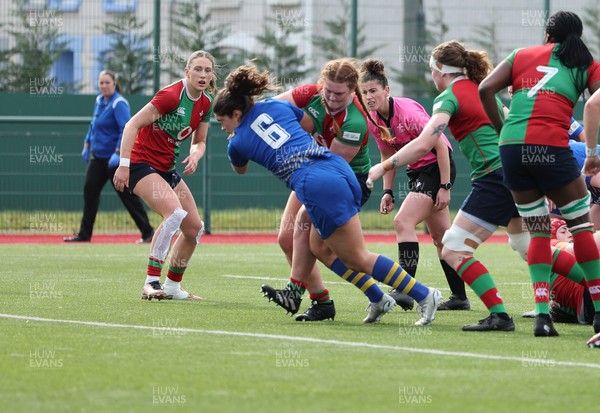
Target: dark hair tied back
x,y
373,69
242,87
566,28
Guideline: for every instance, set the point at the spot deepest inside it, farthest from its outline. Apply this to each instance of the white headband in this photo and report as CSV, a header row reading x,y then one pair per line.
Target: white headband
x,y
434,64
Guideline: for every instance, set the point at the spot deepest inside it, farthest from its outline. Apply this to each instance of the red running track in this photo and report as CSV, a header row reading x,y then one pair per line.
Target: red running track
x,y
242,238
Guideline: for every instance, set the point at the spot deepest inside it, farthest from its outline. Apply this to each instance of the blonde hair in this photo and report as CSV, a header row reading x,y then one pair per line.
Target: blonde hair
x,y
212,86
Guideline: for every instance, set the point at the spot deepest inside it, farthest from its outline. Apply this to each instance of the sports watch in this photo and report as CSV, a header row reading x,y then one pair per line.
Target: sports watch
x,y
446,186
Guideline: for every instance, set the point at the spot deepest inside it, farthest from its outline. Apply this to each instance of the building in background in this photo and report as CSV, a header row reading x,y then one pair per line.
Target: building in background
x,y
402,31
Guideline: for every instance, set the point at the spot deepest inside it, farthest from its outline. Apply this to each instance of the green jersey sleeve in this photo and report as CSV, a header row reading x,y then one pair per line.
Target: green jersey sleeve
x,y
446,102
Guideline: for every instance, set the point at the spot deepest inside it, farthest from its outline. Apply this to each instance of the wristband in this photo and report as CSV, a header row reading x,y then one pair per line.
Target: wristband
x,y
124,162
589,152
390,193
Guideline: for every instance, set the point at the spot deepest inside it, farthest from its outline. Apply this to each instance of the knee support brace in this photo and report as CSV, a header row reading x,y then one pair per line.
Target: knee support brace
x,y
460,240
519,242
169,227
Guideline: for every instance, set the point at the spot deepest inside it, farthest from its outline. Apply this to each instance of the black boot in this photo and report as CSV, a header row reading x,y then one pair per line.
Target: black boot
x,y
317,312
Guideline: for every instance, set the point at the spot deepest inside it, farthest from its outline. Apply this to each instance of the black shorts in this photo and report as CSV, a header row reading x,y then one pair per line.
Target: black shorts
x,y
366,192
490,200
426,180
546,168
139,170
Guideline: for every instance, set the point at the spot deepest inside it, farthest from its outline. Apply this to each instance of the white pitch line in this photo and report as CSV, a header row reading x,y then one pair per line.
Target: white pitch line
x,y
252,277
463,354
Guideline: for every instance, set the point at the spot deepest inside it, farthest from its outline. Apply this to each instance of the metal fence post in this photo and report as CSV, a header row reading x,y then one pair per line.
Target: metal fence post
x,y
206,184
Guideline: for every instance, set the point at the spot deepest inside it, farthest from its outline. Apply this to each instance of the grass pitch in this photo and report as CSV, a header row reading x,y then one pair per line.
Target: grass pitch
x,y
76,337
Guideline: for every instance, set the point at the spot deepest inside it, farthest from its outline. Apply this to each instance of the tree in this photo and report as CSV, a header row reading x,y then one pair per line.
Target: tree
x,y
591,22
4,61
130,54
486,38
337,43
281,57
37,46
415,75
193,31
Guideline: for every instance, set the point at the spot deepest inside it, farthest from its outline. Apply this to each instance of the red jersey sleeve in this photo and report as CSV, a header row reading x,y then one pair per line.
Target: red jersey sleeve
x,y
593,73
303,94
166,100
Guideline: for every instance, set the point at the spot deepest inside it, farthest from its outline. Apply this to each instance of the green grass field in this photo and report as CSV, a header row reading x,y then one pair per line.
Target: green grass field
x,y
236,352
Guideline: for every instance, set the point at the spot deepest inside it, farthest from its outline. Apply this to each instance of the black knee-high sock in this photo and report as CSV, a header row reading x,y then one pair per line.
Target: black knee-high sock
x,y
408,256
456,284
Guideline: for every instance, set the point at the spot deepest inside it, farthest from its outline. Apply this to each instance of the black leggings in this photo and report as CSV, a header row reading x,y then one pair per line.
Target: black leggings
x,y
97,174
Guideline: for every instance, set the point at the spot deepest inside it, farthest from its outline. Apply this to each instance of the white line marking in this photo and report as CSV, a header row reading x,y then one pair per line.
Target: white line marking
x,y
531,361
254,277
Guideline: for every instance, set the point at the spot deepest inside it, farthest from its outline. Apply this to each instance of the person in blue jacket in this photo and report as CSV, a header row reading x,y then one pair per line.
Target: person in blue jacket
x,y
101,153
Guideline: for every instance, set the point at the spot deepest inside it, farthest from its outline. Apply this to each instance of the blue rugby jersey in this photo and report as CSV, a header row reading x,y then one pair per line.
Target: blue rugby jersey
x,y
270,135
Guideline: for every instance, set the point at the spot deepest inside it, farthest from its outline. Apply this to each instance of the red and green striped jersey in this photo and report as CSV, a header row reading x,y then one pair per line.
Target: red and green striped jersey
x,y
352,122
544,94
470,126
158,143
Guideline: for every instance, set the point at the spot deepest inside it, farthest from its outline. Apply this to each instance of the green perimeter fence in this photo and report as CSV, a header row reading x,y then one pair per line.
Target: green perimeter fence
x,y
42,175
